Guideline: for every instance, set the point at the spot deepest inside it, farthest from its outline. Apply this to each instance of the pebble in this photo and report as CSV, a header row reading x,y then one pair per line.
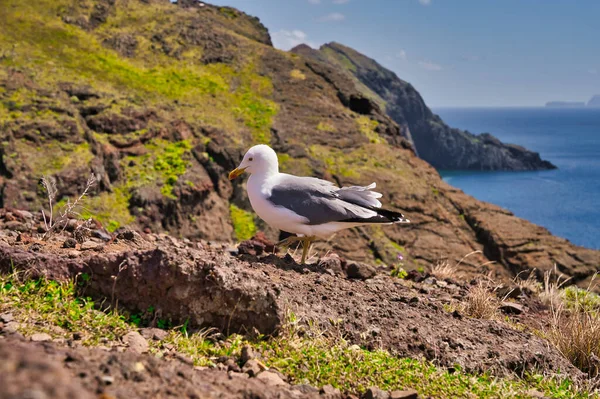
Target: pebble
x,y
6,317
247,354
153,333
270,378
511,308
360,271
88,245
40,337
252,367
136,343
376,393
69,243
407,394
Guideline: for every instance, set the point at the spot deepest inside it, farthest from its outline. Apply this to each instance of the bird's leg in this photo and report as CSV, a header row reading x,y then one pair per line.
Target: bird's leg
x,y
305,247
286,242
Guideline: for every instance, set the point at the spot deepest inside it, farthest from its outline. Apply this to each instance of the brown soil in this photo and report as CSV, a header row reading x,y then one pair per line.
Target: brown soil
x,y
212,287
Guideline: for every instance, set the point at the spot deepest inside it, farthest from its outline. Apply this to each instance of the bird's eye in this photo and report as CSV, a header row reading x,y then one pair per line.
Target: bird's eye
x,y
250,159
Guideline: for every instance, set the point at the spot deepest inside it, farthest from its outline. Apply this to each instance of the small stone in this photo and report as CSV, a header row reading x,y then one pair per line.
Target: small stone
x,y
128,235
88,245
509,292
305,388
23,214
376,393
331,262
360,271
407,394
247,354
330,391
11,327
252,367
16,226
35,247
69,243
271,378
107,379
6,317
101,235
136,343
251,247
40,337
511,308
441,283
154,333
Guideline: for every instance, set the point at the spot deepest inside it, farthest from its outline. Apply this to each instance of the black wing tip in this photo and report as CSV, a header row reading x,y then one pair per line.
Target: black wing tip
x,y
392,216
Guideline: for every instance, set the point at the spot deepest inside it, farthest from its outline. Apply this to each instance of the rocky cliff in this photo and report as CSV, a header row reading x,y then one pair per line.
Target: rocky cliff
x,y
160,100
435,142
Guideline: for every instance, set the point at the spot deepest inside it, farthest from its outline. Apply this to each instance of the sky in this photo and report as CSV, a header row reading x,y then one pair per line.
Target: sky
x,y
457,53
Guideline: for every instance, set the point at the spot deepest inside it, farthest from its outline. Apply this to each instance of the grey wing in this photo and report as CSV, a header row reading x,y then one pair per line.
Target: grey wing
x,y
319,201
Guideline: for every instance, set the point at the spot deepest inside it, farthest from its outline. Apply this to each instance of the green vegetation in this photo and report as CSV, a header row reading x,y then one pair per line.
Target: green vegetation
x,y
581,299
243,223
110,209
53,157
303,353
367,127
297,74
325,127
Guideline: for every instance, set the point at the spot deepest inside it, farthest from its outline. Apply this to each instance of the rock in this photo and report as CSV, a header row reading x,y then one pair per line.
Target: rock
x,y
107,380
360,271
269,245
135,342
330,392
406,394
251,247
252,367
11,327
16,226
509,292
101,235
153,333
23,215
88,245
69,243
40,337
128,235
331,262
247,354
6,317
511,308
270,378
376,393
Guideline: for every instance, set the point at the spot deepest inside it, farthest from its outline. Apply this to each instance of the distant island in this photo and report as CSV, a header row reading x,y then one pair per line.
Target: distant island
x,y
594,102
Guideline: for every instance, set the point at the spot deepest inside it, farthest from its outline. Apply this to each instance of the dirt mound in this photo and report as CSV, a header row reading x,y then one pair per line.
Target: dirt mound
x,y
46,370
211,287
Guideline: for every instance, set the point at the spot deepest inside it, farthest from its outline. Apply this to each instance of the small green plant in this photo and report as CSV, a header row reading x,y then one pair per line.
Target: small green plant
x,y
398,269
243,223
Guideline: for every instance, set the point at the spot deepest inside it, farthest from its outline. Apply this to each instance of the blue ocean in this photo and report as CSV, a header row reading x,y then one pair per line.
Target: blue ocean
x,y
565,201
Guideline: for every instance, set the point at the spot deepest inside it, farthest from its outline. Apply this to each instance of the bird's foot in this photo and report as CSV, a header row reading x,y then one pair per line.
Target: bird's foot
x,y
306,243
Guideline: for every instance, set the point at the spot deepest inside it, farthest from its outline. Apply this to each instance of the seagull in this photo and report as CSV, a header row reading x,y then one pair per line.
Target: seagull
x,y
309,207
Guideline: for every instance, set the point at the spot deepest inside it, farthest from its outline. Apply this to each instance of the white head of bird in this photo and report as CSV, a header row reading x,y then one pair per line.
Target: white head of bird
x,y
260,159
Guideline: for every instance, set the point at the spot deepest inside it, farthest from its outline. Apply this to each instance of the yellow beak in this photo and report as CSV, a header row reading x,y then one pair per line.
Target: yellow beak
x,y
235,173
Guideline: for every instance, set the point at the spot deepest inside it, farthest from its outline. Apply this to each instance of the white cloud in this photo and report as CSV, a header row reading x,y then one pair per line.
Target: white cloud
x,y
430,66
592,71
287,39
340,1
314,1
401,54
425,2
333,17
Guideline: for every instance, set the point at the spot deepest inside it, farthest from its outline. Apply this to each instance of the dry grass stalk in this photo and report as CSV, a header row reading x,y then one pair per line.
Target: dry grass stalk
x,y
481,302
553,282
531,283
443,270
58,224
576,334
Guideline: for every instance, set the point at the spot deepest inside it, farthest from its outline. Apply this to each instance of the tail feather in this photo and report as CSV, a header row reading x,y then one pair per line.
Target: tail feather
x,y
365,198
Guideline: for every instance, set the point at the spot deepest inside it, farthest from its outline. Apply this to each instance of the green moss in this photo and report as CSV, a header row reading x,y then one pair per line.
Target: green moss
x,y
325,127
297,74
243,223
162,165
110,209
367,127
53,158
